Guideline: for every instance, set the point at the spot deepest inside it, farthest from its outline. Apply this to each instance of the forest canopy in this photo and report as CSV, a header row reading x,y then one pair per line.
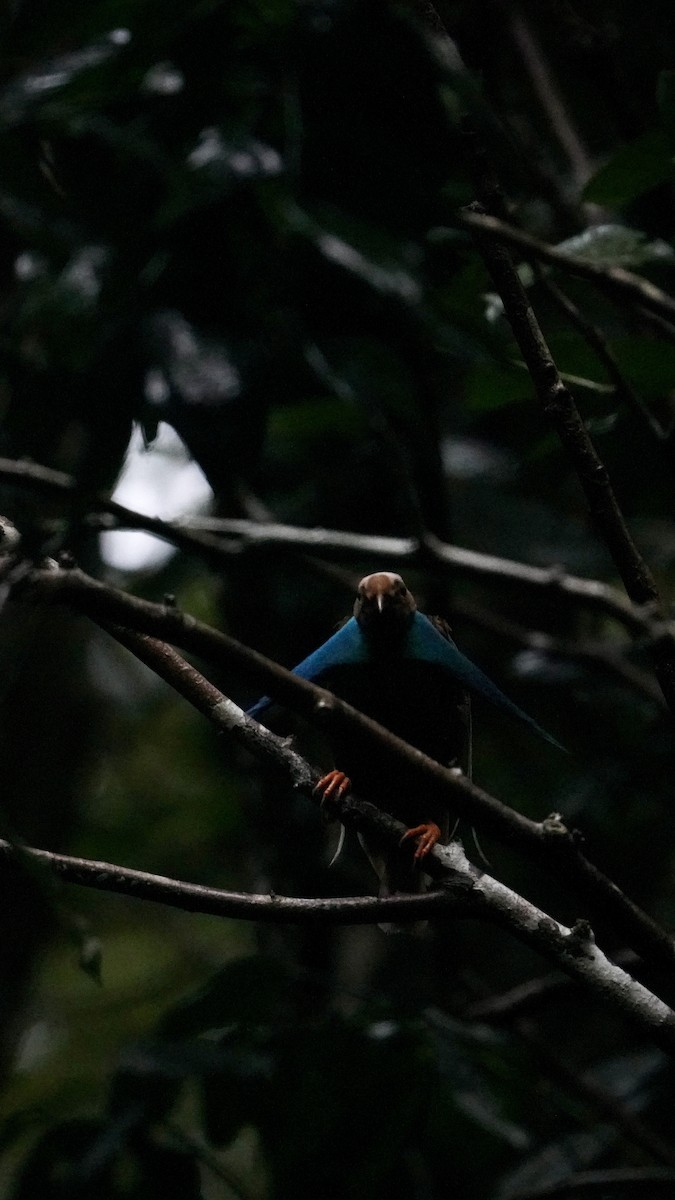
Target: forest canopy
x,y
299,291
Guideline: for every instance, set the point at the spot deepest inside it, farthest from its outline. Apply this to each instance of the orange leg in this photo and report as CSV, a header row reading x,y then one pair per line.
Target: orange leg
x,y
335,783
427,835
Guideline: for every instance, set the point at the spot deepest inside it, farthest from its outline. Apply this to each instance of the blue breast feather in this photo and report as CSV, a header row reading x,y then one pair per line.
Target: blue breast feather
x,y
423,643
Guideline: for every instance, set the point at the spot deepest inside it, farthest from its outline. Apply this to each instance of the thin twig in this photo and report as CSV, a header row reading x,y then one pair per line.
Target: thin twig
x,y
598,1098
457,560
217,902
50,482
596,339
619,282
548,95
593,654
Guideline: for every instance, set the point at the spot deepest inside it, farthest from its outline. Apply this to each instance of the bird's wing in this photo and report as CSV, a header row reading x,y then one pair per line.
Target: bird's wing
x,y
344,648
427,644
462,709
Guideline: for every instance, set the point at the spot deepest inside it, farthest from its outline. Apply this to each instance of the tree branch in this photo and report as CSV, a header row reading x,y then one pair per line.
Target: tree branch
x,y
592,593
559,406
549,95
598,343
245,906
623,285
598,655
548,842
194,535
49,482
479,895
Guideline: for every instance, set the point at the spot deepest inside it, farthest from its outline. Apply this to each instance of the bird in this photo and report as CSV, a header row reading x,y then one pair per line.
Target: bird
x,y
403,669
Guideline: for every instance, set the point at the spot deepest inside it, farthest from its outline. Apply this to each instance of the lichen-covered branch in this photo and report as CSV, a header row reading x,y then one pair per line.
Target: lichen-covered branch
x,y
548,842
244,906
470,891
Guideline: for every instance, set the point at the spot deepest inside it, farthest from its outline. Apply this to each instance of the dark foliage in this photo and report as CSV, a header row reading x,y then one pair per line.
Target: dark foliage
x,y
239,219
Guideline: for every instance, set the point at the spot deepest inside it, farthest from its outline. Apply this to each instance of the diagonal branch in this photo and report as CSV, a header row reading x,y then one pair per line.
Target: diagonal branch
x,y
598,343
478,894
548,842
559,406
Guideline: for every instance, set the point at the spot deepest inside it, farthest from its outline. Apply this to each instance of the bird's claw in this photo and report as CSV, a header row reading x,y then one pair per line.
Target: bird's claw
x,y
335,783
427,835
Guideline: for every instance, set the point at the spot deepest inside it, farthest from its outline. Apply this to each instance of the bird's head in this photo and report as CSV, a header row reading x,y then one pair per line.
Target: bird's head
x,y
383,602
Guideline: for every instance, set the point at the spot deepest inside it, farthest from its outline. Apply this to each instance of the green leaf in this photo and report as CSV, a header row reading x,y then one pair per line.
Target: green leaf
x,y
634,169
650,365
249,991
489,387
21,97
91,958
235,1092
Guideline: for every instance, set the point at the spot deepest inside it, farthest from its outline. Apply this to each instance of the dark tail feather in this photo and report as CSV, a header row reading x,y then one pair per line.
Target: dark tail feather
x,y
396,877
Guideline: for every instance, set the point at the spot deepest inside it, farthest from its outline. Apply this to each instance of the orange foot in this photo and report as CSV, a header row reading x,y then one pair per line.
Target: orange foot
x,y
427,836
335,783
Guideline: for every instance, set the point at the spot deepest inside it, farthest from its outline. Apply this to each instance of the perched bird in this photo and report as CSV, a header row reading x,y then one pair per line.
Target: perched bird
x,y
403,669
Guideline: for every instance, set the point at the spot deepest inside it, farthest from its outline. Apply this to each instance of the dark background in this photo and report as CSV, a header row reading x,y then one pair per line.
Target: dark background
x,y
240,219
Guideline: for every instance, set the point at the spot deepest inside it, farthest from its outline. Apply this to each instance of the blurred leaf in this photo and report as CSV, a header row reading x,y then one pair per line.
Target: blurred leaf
x,y
50,1171
213,168
163,1173
631,1077
91,958
489,387
557,1161
235,1090
379,266
616,246
465,1058
30,91
149,1080
374,1084
634,169
650,365
249,991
